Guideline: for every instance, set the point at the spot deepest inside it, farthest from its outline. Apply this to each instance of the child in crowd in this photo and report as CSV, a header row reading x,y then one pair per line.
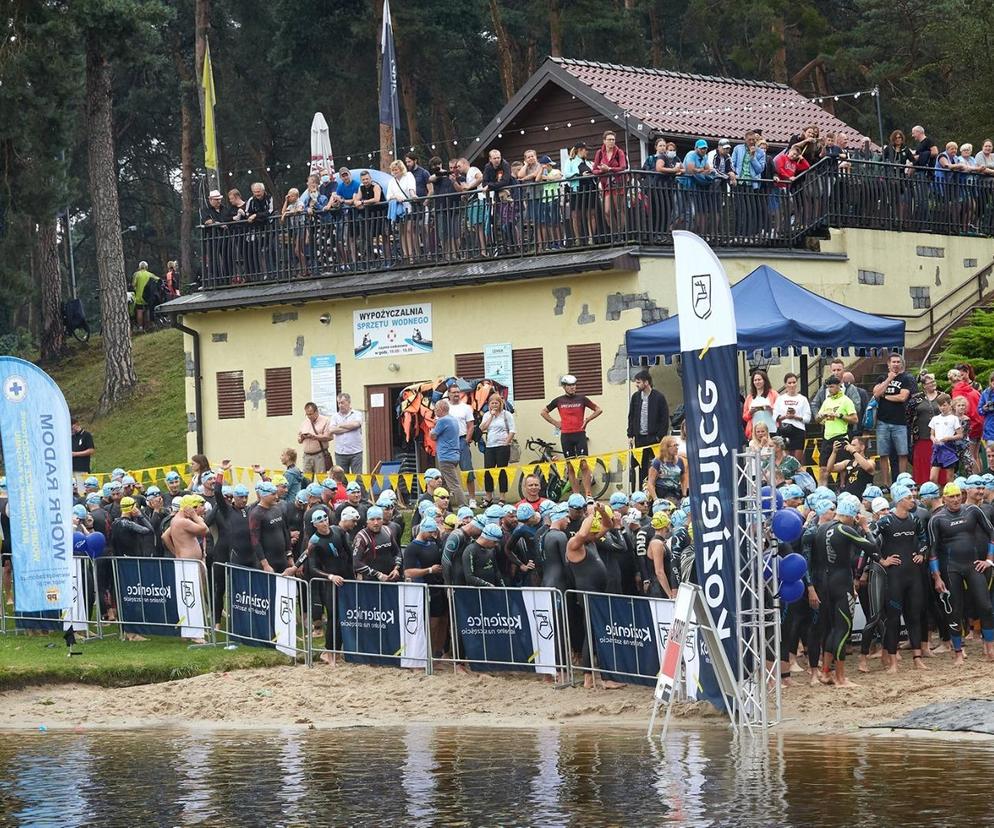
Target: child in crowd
x,y
947,433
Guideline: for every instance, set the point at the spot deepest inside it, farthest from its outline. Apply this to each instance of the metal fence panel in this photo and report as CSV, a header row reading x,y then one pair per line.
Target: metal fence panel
x,y
264,609
162,596
80,616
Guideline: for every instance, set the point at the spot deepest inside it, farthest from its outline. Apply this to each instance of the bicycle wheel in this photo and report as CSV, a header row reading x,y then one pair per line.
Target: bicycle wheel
x,y
600,480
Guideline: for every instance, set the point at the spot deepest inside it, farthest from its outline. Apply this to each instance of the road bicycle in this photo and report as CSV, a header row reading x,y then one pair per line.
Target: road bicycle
x,y
557,487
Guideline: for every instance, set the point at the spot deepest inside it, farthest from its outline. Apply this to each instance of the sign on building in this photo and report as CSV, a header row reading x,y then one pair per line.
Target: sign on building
x,y
324,387
390,332
497,365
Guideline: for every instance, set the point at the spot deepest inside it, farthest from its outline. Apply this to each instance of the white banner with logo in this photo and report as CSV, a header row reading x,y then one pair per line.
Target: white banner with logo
x,y
285,621
189,589
391,332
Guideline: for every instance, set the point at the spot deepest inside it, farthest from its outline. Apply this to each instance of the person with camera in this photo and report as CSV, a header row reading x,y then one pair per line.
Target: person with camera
x,y
444,204
835,416
855,470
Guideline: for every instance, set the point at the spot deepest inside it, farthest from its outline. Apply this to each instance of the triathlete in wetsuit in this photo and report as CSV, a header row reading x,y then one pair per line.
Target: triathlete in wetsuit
x,y
423,564
455,545
795,620
836,552
657,554
327,557
903,544
554,552
479,559
376,555
268,531
952,560
612,548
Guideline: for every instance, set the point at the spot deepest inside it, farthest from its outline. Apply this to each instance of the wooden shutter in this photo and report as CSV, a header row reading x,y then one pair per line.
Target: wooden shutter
x,y
470,366
230,395
585,364
279,392
528,369
338,378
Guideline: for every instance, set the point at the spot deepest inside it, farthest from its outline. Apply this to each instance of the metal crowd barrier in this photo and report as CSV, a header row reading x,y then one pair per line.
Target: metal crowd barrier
x,y
394,613
151,587
540,615
85,593
261,599
651,631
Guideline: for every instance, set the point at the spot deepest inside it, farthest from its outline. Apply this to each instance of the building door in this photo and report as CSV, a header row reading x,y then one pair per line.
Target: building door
x,y
380,424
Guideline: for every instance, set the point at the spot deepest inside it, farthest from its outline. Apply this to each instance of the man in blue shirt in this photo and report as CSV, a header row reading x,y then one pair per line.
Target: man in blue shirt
x,y
697,178
448,451
344,215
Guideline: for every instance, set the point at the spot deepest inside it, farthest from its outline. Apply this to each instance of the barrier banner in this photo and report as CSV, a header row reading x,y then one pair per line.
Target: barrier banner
x,y
382,623
77,617
37,450
630,635
709,356
515,626
160,596
262,609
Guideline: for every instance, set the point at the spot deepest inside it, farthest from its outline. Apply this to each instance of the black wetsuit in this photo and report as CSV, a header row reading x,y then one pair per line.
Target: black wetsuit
x,y
379,552
655,587
795,618
612,548
554,560
906,538
455,544
642,537
479,565
269,536
588,575
361,507
836,552
953,548
423,555
327,555
134,537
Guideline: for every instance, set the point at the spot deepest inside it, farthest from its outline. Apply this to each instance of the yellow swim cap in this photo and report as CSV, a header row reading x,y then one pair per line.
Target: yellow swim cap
x,y
951,489
660,520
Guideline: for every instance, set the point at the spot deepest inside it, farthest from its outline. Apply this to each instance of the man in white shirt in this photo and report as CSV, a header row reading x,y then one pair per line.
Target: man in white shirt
x,y
313,435
346,426
463,413
476,204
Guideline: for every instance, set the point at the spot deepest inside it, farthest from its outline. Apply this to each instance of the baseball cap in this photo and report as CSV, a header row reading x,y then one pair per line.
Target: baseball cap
x,y
881,504
618,499
576,501
350,513
493,532
374,512
353,487
464,512
320,516
700,143
951,489
660,520
524,512
929,490
440,492
91,483
172,476
432,474
724,142
545,159
152,491
567,379
79,511
129,503
428,525
265,487
871,492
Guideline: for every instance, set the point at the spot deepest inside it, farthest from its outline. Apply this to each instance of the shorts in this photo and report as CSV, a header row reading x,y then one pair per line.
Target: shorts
x,y
465,455
575,444
793,437
892,438
944,456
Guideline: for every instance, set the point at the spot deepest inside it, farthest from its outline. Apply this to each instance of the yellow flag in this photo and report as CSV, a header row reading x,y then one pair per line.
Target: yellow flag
x,y
210,133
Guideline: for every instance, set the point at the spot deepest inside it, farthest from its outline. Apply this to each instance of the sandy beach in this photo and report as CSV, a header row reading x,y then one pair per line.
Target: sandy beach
x,y
350,695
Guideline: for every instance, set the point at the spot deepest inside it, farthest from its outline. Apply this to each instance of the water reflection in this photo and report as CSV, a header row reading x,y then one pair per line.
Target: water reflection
x,y
451,776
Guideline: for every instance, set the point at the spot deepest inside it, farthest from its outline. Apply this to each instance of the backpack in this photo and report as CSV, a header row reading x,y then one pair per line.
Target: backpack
x,y
152,293
870,415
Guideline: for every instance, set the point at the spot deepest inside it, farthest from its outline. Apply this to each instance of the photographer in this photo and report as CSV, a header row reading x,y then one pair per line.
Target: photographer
x,y
444,205
835,415
856,472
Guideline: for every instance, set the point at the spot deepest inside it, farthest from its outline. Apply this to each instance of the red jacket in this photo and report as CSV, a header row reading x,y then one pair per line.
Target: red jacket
x,y
972,397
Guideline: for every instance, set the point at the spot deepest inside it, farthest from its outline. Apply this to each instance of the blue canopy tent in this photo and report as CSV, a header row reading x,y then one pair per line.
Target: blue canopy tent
x,y
773,316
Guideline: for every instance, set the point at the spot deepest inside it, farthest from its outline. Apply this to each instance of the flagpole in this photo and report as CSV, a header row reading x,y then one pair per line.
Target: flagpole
x,y
389,105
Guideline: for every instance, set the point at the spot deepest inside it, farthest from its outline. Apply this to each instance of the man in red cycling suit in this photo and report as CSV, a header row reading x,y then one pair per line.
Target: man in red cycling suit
x,y
572,425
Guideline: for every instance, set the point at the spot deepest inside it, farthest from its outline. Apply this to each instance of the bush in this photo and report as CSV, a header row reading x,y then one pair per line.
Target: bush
x,y
18,344
972,343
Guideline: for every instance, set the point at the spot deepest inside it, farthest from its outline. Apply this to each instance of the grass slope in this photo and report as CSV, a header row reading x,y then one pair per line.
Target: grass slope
x,y
147,429
41,659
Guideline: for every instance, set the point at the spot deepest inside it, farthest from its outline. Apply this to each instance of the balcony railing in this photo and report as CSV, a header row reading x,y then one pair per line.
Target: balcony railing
x,y
627,208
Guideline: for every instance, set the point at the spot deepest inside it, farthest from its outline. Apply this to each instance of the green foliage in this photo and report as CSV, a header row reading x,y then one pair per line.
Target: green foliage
x,y
972,343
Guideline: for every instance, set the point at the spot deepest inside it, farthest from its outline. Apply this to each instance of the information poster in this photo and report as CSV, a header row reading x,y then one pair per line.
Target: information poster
x,y
324,388
391,332
498,365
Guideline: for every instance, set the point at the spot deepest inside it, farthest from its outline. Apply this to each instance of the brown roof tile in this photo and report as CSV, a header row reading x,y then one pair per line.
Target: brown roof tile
x,y
703,106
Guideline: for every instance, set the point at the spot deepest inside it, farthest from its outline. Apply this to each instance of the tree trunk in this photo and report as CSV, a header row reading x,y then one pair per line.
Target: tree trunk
x,y
53,334
409,97
185,166
779,65
386,146
505,51
202,14
555,29
657,46
119,378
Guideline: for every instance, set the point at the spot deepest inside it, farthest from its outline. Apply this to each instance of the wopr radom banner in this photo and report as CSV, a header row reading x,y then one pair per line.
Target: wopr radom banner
x,y
709,357
37,451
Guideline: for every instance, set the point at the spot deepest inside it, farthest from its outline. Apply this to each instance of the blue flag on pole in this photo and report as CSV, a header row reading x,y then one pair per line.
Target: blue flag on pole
x,y
37,450
709,354
389,108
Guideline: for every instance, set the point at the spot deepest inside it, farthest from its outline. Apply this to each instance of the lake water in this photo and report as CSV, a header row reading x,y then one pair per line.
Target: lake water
x,y
460,776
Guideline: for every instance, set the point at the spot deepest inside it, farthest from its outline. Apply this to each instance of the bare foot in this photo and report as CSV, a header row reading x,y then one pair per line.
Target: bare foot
x,y
327,658
462,668
876,654
926,651
607,684
845,683
815,679
588,682
892,666
826,678
787,682
958,658
863,667
919,664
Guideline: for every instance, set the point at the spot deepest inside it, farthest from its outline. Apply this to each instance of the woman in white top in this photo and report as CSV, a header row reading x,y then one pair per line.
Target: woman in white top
x,y
792,413
498,425
401,191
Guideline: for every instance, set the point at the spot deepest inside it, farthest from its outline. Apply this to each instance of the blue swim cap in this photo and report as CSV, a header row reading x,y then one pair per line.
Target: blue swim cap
x,y
929,490
639,497
385,502
319,516
424,506
464,512
240,490
494,512
559,511
91,483
172,476
493,532
79,511
872,491
93,499
152,491
545,507
662,506
899,492
961,482
524,512
618,499
314,490
795,492
847,506
265,487
432,474
824,491
301,496
975,481
374,512
822,506
678,519
118,473
328,483
902,477
426,525
353,487
685,504
228,491
115,485
480,522
576,501
507,510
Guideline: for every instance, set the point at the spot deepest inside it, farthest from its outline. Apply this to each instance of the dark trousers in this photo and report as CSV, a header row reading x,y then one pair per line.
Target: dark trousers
x,y
640,470
496,457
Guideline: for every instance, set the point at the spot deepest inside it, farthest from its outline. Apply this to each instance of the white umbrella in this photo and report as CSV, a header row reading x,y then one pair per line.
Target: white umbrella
x,y
321,155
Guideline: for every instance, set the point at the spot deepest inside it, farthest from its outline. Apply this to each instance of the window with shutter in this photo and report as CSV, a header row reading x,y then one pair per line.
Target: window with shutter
x,y
585,364
528,370
469,366
338,377
279,392
230,395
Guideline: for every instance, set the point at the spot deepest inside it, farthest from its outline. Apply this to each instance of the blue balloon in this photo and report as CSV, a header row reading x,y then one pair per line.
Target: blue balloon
x,y
787,525
792,567
95,544
78,543
770,497
791,591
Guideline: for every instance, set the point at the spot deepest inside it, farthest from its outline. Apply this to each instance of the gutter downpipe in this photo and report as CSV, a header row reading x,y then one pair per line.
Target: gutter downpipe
x,y
197,394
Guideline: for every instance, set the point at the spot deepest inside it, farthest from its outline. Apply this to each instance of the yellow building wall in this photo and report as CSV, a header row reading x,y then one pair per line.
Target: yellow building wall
x,y
549,313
